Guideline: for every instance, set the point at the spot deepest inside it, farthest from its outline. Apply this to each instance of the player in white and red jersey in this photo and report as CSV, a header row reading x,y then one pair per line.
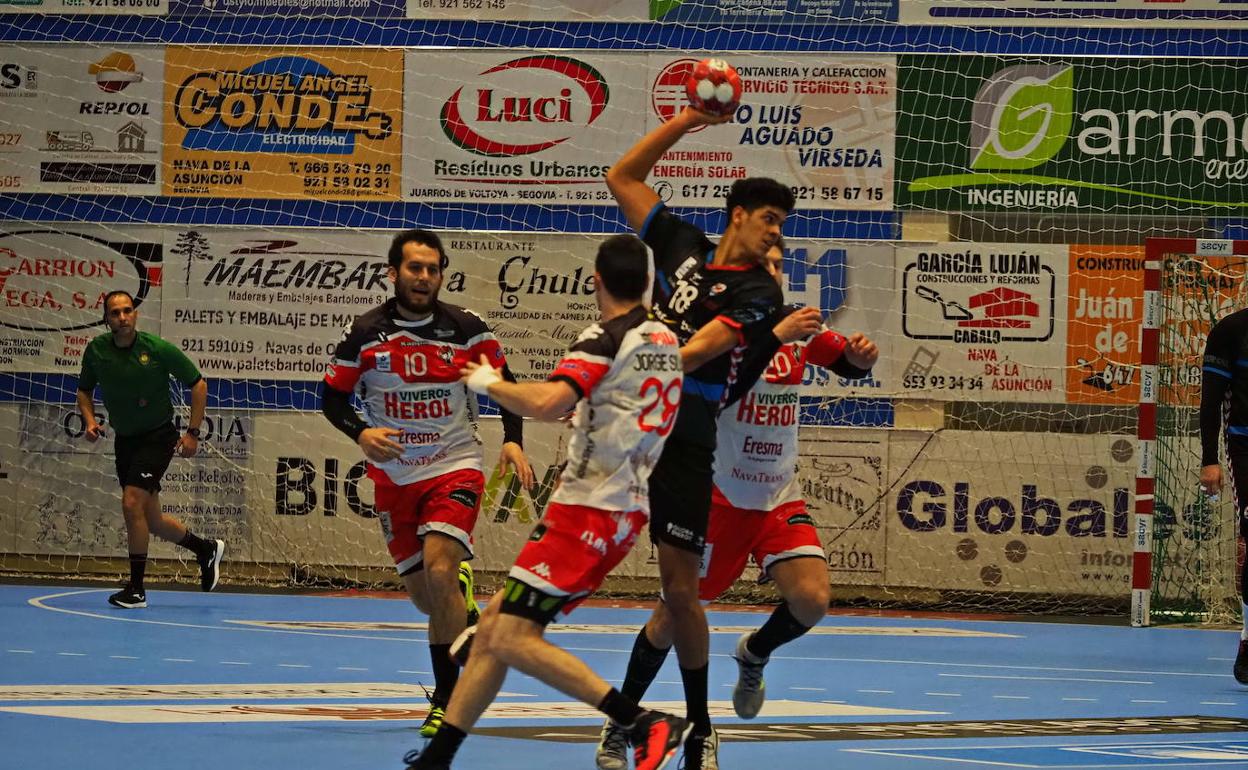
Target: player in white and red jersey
x,y
419,433
623,375
757,511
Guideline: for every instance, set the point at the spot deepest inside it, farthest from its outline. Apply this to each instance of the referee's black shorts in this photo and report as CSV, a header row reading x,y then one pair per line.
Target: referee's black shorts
x,y
680,496
143,458
1237,467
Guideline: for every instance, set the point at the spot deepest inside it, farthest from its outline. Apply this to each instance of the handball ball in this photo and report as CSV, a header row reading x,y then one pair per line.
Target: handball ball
x,y
714,87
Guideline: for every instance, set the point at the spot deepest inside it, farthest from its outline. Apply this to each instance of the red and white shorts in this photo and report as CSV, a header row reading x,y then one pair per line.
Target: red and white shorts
x,y
736,534
573,549
447,504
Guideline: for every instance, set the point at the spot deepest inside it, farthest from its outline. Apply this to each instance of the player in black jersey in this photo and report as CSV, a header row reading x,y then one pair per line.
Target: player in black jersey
x,y
717,298
1224,391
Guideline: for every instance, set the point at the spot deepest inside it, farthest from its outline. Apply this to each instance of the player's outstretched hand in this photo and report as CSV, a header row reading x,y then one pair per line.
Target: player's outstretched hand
x,y
860,351
93,432
479,376
512,454
696,118
1211,479
378,444
798,325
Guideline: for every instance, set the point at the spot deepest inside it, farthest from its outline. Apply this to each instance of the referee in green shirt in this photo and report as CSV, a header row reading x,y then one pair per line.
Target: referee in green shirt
x,y
133,369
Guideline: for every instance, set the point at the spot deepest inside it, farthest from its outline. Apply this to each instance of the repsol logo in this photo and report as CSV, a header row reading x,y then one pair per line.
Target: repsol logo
x,y
927,506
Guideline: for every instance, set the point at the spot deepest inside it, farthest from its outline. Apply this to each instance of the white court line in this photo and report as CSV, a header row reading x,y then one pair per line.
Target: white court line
x,y
1082,700
811,689
1013,697
124,657
179,660
351,668
1228,660
879,752
24,652
1147,701
944,694
1047,678
38,602
73,654
1217,703
912,753
408,671
293,665
233,663
885,692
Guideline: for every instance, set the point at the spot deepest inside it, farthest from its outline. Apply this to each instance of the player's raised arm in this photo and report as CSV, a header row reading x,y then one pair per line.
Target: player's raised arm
x,y
539,400
627,178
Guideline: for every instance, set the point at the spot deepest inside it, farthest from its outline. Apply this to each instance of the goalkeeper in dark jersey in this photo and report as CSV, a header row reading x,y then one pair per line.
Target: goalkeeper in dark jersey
x,y
132,369
1224,393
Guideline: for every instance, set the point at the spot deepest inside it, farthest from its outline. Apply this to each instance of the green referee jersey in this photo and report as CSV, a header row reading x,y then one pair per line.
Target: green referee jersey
x,y
135,380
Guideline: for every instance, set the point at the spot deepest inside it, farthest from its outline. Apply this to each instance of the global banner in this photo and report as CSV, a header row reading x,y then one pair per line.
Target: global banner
x,y
982,133
981,322
80,120
322,124
1057,527
1083,13
52,287
823,126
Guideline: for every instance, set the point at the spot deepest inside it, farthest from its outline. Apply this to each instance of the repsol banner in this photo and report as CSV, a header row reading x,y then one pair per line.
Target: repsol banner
x,y
1025,512
1011,134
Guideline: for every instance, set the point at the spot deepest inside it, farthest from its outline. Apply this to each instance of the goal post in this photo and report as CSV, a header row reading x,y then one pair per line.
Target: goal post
x,y
1184,544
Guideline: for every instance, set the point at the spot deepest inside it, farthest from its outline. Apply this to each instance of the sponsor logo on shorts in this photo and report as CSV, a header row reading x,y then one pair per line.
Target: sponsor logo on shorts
x,y
538,532
679,532
465,497
800,518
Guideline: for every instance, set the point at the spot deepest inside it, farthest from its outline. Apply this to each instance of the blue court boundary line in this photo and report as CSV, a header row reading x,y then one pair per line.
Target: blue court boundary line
x,y
393,215
300,395
790,38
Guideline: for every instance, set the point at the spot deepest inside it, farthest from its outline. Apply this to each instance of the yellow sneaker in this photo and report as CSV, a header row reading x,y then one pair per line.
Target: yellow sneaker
x,y
432,721
466,586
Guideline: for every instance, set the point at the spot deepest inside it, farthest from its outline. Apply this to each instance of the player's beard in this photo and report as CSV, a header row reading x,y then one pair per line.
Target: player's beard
x,y
414,305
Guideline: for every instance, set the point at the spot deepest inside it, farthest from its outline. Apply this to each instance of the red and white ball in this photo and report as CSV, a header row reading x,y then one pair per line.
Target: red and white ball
x,y
714,87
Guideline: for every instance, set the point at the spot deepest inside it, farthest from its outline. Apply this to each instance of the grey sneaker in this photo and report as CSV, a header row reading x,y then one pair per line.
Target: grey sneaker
x,y
750,691
612,753
701,752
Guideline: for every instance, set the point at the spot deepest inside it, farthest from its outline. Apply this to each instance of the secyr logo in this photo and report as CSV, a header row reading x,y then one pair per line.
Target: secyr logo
x,y
528,105
925,506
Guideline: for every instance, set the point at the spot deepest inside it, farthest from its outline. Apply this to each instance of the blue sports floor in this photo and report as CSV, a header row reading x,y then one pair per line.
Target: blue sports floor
x,y
228,680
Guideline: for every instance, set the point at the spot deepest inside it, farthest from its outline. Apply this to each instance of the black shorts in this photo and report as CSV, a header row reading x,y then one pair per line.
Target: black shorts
x,y
143,458
680,496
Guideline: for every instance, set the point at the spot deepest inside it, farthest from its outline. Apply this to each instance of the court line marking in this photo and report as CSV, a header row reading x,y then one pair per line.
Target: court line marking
x,y
1217,703
73,654
179,660
1072,746
885,692
1013,697
38,602
1045,678
882,753
1085,700
24,652
944,694
1147,701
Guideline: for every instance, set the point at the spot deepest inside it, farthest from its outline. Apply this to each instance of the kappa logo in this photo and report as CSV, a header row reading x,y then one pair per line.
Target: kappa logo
x,y
541,568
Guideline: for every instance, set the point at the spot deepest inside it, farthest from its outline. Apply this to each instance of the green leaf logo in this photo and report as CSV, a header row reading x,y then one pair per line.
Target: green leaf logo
x,y
1022,117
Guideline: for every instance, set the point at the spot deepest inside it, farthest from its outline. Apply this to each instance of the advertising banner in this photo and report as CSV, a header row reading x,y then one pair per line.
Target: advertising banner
x,y
1104,308
1077,13
983,133
354,9
97,7
981,322
80,120
843,475
52,287
963,515
823,126
70,485
515,127
323,124
698,11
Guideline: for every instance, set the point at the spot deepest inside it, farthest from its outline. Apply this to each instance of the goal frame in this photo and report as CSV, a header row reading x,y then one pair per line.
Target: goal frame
x,y
1146,425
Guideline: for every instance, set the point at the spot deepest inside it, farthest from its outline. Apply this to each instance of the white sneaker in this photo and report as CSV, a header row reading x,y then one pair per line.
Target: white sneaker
x,y
750,691
612,753
701,752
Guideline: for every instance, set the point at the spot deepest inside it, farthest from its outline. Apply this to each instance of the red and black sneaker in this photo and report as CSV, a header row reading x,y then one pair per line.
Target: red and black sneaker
x,y
656,737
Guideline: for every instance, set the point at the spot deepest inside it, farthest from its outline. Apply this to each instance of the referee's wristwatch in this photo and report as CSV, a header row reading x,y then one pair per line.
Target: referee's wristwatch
x,y
193,433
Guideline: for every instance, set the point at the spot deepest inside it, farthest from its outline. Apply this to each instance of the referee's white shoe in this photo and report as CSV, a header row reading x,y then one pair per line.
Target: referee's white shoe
x,y
210,566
